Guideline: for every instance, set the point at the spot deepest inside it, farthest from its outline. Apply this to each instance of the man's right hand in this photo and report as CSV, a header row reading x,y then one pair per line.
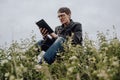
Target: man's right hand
x,y
44,32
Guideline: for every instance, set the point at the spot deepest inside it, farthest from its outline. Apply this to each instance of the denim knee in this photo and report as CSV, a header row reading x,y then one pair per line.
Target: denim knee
x,y
50,54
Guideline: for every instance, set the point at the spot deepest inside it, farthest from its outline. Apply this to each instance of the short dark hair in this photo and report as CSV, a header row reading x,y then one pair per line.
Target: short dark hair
x,y
64,9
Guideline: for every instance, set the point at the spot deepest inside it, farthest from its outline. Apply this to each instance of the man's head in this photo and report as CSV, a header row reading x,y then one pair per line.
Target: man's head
x,y
64,14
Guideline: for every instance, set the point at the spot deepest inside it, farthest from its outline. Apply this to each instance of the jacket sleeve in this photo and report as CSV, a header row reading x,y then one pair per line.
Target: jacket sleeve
x,y
77,34
57,30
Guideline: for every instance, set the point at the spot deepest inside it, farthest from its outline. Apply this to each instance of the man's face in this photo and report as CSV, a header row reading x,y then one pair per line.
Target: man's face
x,y
64,18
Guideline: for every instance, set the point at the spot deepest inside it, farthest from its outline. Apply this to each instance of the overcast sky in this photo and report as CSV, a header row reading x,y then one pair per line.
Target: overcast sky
x,y
18,17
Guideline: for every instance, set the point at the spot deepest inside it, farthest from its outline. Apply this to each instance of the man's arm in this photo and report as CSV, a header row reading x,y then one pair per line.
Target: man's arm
x,y
77,36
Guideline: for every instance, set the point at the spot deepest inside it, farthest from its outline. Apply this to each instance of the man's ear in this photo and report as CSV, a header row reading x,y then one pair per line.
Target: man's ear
x,y
69,15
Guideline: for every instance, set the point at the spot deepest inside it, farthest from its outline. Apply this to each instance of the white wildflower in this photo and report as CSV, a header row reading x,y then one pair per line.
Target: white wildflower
x,y
3,62
115,63
73,58
38,67
102,74
12,77
86,67
100,56
70,69
106,48
92,60
23,57
7,74
24,69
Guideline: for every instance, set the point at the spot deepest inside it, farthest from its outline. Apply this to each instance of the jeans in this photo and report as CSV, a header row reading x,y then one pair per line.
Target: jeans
x,y
45,44
51,52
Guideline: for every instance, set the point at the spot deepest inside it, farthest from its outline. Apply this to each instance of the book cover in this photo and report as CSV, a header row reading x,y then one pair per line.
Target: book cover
x,y
42,24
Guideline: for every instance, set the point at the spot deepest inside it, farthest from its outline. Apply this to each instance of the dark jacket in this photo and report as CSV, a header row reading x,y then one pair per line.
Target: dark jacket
x,y
74,29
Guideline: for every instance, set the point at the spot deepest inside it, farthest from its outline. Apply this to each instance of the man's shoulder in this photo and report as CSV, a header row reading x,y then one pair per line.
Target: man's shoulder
x,y
57,26
76,26
77,23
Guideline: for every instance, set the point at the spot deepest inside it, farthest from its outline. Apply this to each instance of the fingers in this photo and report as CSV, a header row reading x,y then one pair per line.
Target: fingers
x,y
44,31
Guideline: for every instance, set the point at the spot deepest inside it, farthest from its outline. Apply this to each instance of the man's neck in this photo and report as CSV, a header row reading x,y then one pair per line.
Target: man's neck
x,y
66,24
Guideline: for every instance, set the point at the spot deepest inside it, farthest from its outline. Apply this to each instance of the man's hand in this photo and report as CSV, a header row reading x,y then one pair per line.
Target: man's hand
x,y
53,35
44,32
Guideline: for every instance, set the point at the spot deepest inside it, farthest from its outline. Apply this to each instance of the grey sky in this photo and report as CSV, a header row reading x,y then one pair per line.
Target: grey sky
x,y
18,17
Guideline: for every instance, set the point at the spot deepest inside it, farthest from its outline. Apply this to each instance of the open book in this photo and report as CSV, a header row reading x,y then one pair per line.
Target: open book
x,y
43,24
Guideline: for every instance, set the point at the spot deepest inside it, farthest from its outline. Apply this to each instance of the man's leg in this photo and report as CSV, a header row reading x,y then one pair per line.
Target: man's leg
x,y
50,54
44,46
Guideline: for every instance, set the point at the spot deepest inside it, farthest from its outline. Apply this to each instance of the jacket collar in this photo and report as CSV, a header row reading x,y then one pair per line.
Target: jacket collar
x,y
71,22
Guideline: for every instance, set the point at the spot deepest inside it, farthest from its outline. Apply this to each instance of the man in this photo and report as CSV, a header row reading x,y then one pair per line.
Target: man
x,y
51,45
